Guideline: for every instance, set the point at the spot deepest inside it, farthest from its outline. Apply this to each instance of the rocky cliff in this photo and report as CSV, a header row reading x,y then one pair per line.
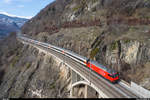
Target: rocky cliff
x,y
113,32
26,72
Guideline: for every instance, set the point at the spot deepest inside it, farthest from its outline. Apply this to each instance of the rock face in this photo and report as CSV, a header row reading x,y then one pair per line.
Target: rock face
x,y
130,51
126,56
113,32
120,40
31,73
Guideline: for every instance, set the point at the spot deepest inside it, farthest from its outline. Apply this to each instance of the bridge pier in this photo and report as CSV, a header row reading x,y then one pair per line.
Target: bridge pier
x,y
81,90
99,96
86,92
71,92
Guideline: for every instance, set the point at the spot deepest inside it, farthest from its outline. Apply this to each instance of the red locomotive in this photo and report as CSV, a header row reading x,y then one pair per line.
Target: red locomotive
x,y
108,74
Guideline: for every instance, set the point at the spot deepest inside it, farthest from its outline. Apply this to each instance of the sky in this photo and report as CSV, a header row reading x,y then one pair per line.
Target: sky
x,y
22,8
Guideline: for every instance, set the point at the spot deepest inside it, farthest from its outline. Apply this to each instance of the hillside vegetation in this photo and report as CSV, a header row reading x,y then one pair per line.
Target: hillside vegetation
x,y
115,33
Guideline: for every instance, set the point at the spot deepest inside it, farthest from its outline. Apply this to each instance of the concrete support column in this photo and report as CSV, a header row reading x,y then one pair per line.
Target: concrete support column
x,y
71,92
86,91
99,96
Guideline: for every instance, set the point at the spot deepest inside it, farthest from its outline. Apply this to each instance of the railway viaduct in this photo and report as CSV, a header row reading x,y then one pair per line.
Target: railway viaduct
x,y
92,84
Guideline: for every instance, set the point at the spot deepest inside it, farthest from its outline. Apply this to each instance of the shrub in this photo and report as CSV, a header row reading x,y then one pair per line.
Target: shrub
x,y
114,46
28,65
127,41
76,8
94,52
14,61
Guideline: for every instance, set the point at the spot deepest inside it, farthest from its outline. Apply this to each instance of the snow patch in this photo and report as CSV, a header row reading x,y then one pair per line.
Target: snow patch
x,y
11,15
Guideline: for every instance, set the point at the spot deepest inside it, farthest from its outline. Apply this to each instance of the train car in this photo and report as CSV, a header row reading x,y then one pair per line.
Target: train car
x,y
108,74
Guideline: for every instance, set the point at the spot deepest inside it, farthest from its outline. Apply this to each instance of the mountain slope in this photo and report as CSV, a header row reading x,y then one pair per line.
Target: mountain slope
x,y
9,19
25,72
10,24
114,32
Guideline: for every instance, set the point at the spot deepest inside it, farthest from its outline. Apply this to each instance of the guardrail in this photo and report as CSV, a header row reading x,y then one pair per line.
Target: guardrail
x,y
133,87
140,90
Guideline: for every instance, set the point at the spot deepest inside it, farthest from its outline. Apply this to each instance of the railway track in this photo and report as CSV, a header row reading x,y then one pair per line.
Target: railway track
x,y
96,80
111,90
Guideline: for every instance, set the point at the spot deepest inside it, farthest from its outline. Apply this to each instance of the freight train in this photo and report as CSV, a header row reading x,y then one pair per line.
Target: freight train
x,y
101,70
